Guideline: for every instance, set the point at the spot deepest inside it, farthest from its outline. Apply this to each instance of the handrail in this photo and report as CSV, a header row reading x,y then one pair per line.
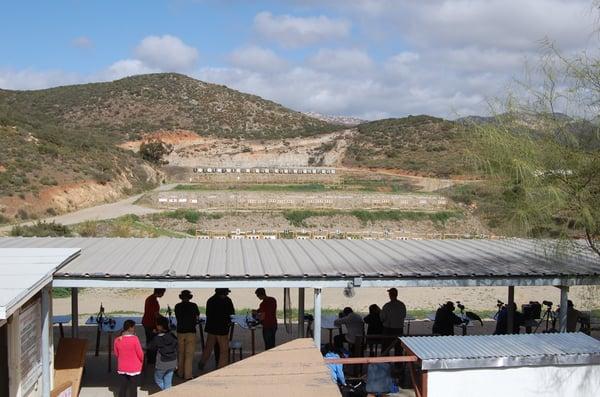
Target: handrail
x,y
372,360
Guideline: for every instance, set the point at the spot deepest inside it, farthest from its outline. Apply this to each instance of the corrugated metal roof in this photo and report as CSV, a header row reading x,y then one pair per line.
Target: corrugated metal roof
x,y
23,272
242,259
488,351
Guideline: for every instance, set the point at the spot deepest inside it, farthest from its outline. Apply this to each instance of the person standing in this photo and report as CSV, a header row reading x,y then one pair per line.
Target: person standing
x,y
374,327
165,345
151,315
130,357
392,316
219,309
502,320
445,320
187,314
267,314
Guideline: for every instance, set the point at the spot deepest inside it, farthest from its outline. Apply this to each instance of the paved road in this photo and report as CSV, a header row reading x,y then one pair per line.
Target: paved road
x,y
101,212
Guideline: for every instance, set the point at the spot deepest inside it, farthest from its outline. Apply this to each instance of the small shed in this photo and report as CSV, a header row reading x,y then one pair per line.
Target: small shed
x,y
25,312
550,365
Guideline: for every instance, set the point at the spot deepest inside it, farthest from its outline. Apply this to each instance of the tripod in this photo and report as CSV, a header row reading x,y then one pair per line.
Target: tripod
x,y
548,315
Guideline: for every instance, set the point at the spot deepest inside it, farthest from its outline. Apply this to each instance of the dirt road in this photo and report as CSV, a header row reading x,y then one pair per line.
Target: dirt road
x,y
100,212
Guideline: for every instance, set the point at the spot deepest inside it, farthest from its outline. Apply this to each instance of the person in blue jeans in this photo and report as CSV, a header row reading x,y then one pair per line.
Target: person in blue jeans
x,y
165,344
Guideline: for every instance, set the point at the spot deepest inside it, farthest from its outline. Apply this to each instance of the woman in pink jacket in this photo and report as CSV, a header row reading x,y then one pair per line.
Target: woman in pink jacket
x,y
130,357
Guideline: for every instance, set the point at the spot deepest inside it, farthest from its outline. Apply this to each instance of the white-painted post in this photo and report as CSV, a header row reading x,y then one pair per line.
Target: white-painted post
x,y
74,312
510,319
317,322
564,303
301,312
46,322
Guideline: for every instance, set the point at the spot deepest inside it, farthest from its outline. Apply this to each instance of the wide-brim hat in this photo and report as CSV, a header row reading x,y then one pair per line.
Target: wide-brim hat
x,y
185,294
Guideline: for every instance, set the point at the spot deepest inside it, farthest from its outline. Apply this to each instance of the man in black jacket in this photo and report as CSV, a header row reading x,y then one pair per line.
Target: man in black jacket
x,y
445,320
219,309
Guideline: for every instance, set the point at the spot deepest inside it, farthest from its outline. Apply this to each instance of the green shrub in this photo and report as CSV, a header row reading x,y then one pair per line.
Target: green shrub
x,y
398,215
41,229
298,217
120,230
46,180
61,292
21,213
155,151
88,229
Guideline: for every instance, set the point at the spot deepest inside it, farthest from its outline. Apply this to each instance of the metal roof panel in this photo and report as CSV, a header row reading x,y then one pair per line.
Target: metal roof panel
x,y
489,351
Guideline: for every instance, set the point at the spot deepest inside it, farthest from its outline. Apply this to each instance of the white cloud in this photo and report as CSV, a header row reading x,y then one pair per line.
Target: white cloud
x,y
257,59
344,61
82,42
124,68
29,79
439,57
402,63
291,31
166,53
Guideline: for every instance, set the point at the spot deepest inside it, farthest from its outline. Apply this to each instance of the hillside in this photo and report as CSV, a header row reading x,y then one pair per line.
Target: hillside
x,y
59,147
125,108
421,145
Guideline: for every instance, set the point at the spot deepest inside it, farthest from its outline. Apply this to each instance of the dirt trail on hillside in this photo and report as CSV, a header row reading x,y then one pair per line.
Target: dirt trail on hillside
x,y
100,212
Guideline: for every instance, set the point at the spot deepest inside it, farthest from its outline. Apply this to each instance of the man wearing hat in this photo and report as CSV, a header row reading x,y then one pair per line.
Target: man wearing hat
x,y
392,316
219,310
187,314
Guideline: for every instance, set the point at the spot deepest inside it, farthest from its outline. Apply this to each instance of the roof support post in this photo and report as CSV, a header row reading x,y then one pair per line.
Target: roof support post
x,y
317,321
46,324
564,303
301,312
510,319
74,312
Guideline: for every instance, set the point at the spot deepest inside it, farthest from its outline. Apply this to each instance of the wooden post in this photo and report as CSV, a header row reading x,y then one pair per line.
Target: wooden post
x,y
510,319
74,312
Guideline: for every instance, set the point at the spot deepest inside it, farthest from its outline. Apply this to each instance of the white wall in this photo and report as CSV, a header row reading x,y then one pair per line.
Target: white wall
x,y
551,381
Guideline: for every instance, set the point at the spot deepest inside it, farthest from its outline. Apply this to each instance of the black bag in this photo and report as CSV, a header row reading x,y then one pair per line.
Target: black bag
x,y
356,388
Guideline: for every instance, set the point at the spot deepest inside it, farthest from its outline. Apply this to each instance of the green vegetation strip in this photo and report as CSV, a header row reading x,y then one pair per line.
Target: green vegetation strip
x,y
307,187
191,216
298,217
348,184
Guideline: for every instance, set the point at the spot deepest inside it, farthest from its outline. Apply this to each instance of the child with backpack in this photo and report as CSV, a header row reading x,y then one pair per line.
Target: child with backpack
x,y
165,344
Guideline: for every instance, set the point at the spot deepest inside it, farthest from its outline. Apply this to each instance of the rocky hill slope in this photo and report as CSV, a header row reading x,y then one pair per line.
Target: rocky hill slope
x,y
146,103
421,145
59,147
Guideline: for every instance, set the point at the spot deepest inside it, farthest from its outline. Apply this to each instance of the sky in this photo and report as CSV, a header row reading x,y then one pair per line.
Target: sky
x,y
365,58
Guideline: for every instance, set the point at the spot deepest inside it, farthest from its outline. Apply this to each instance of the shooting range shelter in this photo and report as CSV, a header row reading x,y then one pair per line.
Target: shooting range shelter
x,y
26,349
198,263
550,365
